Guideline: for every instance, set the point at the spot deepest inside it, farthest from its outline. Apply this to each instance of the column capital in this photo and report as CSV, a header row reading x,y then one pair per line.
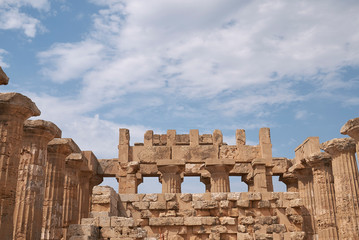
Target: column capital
x,y
75,160
18,105
65,146
338,145
43,128
4,79
318,159
351,128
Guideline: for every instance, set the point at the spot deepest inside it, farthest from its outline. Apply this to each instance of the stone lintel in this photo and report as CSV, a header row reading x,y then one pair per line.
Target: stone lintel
x,y
308,147
65,146
218,162
18,104
42,127
4,79
167,162
318,158
351,128
338,145
110,167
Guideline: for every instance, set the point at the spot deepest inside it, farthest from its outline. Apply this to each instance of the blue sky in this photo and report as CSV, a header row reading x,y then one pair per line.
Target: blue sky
x,y
95,66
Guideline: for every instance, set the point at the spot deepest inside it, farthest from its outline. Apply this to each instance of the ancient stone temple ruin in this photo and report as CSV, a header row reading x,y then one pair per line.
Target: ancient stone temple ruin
x,y
49,186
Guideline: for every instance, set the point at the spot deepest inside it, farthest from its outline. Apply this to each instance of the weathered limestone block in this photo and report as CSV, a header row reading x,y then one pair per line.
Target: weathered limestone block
x,y
15,109
124,146
4,79
166,221
31,179
346,184
57,151
105,199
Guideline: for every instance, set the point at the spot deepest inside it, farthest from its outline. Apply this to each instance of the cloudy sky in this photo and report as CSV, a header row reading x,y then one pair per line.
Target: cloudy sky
x,y
95,66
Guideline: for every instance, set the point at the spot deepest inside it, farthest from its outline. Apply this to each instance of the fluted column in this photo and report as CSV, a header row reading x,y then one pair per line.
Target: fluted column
x,y
306,192
70,212
346,177
219,177
30,185
14,110
58,149
171,178
324,196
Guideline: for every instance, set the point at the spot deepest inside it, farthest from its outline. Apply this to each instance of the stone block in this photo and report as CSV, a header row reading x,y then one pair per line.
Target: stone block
x,y
198,196
224,204
205,204
290,195
294,235
90,221
108,232
264,204
227,221
233,196
170,196
129,197
152,197
104,221
242,228
166,221
218,196
83,230
141,205
252,196
146,214
186,197
263,236
99,214
172,205
244,236
296,203
247,220
243,203
158,205
122,222
276,228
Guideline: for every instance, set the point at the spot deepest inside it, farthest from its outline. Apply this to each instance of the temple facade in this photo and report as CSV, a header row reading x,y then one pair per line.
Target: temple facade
x,y
49,187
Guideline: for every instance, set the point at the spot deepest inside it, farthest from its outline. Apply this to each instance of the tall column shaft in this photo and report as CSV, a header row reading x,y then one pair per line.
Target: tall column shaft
x,y
15,109
324,196
58,150
346,184
306,193
30,185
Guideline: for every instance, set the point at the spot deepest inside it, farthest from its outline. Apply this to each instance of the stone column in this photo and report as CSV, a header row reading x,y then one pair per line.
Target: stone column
x,y
70,212
171,178
249,180
57,151
324,196
207,183
306,193
30,185
15,109
219,177
346,184
260,176
291,181
128,178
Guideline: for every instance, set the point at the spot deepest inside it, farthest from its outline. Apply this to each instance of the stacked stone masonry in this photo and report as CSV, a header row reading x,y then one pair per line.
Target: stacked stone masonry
x,y
48,185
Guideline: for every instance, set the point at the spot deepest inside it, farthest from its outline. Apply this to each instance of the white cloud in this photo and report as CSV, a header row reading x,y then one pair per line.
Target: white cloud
x,y
90,132
2,62
239,50
13,18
